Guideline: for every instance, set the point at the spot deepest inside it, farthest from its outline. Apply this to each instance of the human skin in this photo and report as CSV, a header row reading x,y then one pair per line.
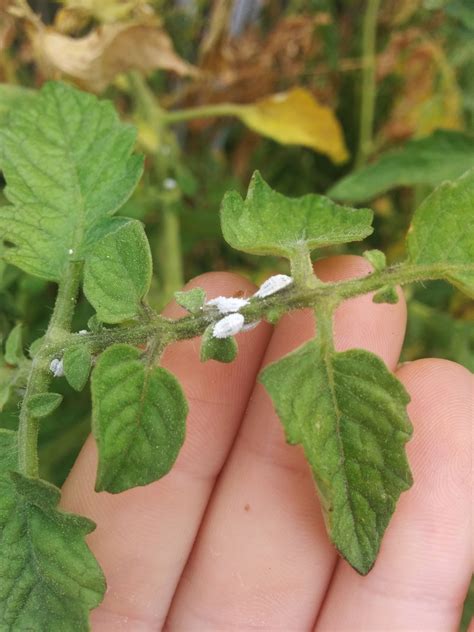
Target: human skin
x,y
233,537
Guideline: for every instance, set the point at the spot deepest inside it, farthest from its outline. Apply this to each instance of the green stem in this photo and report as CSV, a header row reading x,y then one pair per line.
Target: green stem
x,y
168,253
295,297
367,106
40,375
202,111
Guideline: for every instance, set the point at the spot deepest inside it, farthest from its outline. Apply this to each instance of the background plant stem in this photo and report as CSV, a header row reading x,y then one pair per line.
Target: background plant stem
x,y
368,88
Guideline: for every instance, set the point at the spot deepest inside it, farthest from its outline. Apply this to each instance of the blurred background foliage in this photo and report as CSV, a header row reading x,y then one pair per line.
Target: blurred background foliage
x,y
369,100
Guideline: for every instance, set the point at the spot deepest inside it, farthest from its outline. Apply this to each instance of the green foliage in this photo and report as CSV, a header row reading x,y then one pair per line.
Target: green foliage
x,y
377,259
139,414
343,407
50,579
117,273
59,204
43,404
268,223
14,346
442,232
220,349
12,97
77,362
192,300
444,155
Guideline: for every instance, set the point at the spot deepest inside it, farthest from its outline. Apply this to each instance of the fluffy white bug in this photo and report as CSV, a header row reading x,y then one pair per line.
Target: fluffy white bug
x,y
228,326
56,367
273,284
228,305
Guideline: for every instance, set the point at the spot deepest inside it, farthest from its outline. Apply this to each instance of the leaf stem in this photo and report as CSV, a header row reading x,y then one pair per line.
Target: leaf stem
x,y
368,93
40,376
202,111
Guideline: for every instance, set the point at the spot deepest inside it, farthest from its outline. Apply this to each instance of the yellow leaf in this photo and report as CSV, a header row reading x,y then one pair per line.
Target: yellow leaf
x,y
95,60
296,118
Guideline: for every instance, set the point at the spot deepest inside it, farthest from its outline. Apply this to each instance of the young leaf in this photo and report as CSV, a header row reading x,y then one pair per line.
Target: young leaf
x,y
349,413
139,415
117,273
192,300
57,199
14,346
269,223
220,349
442,232
296,118
442,156
44,404
377,259
50,579
77,362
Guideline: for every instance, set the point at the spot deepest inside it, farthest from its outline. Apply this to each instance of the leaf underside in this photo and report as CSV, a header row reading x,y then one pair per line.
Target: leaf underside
x,y
59,205
50,579
349,413
139,415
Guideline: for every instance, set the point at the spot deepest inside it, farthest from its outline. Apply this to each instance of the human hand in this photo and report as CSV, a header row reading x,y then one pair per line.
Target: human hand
x,y
233,538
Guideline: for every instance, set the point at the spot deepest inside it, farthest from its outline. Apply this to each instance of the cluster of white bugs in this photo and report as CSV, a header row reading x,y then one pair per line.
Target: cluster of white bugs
x,y
272,285
57,367
227,305
234,322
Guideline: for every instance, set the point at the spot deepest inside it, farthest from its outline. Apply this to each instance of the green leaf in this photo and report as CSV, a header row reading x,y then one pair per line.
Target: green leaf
x,y
377,259
14,346
442,232
77,362
349,413
444,155
67,162
220,349
44,404
11,378
139,415
50,579
192,300
117,273
268,223
12,97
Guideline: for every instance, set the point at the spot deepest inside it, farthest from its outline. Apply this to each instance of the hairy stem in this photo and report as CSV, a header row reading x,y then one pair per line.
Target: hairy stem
x,y
40,376
295,297
367,106
202,111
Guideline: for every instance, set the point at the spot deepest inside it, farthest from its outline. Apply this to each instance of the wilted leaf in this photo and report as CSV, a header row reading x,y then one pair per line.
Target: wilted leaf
x,y
139,415
96,59
105,10
442,231
296,118
267,222
349,413
443,156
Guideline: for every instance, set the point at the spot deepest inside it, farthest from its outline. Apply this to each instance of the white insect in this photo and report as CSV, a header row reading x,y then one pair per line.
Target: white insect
x,y
251,326
227,305
82,332
56,367
70,251
228,326
273,284
169,184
